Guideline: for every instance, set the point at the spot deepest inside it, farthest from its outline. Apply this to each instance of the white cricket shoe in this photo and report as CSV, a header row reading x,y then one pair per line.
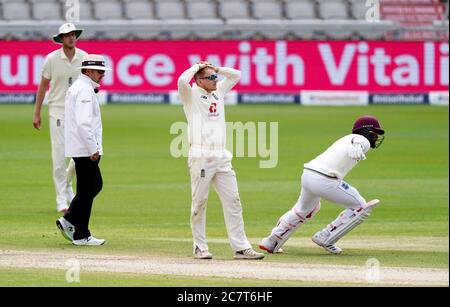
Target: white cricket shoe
x,y
248,254
66,228
91,241
199,254
320,237
270,246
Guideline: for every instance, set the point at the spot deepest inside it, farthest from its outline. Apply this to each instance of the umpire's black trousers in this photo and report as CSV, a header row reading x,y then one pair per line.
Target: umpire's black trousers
x,y
89,184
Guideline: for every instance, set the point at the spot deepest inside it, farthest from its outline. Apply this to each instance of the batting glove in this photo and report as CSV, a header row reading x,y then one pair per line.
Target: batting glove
x,y
356,152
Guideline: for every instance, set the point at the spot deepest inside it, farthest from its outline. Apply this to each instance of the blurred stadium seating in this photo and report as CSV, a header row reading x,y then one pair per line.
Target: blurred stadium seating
x,y
226,19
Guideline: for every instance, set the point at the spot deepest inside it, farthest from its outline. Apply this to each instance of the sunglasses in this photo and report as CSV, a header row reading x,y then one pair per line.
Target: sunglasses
x,y
212,77
101,72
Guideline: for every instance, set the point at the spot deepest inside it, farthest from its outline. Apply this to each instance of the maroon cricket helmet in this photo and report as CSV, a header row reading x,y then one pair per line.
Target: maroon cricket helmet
x,y
368,122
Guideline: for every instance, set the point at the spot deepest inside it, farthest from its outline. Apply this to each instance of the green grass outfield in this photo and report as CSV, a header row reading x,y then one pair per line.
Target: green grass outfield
x,y
144,207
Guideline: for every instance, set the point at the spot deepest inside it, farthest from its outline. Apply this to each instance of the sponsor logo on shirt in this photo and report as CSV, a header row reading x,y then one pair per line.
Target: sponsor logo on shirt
x,y
213,108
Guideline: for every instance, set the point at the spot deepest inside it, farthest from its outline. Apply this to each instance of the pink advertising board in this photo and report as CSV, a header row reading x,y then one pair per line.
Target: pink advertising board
x,y
267,66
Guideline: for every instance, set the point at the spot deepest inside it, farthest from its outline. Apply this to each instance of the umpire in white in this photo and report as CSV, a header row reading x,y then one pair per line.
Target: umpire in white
x,y
83,132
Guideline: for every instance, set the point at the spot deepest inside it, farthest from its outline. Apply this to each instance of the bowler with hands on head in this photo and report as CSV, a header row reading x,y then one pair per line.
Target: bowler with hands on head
x,y
209,161
83,132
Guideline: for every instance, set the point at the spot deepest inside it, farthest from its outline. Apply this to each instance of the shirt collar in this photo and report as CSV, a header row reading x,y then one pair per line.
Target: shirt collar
x,y
89,80
64,56
200,89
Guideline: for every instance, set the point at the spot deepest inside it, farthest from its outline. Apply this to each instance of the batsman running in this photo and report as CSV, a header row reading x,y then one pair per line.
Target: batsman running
x,y
209,161
323,178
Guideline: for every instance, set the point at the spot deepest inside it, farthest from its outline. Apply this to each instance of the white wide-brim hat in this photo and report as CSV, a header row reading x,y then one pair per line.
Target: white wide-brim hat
x,y
64,29
94,61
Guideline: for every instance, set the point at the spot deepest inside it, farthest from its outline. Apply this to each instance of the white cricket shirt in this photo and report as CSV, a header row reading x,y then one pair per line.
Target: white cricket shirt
x,y
205,111
83,122
336,161
62,74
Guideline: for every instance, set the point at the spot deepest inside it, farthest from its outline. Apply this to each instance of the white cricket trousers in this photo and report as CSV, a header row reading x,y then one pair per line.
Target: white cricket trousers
x,y
218,170
62,174
316,186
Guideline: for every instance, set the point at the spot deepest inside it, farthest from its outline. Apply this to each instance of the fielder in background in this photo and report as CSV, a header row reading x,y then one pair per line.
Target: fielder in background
x,y
83,132
209,161
323,178
60,70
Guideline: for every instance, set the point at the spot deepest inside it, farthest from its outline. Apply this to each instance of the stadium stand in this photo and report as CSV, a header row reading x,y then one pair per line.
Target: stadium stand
x,y
298,12
173,19
269,15
413,15
226,19
333,9
204,19
139,10
108,9
86,10
237,17
15,10
46,10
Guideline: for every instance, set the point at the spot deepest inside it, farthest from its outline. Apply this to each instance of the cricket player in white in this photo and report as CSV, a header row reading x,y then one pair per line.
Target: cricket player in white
x,y
323,178
209,161
60,70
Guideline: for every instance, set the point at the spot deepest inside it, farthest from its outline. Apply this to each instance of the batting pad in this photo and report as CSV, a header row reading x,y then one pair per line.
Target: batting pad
x,y
347,220
288,224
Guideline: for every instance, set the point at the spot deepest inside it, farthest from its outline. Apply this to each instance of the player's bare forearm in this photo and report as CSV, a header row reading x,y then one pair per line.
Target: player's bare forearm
x,y
39,100
38,106
40,95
